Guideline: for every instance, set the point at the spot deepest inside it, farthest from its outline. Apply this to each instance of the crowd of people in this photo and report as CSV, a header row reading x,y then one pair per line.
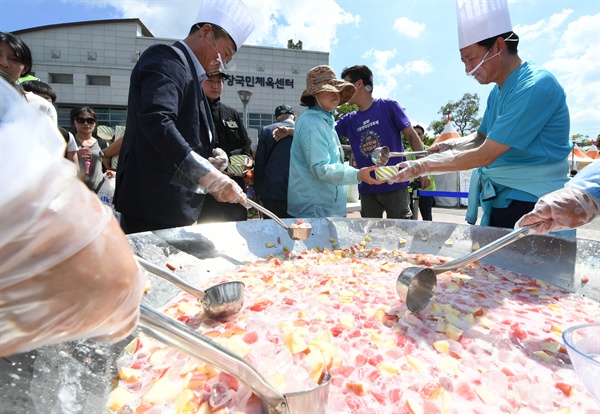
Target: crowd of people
x,y
172,167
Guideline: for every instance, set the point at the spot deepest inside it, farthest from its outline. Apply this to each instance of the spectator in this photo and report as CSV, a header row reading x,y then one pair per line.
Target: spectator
x,y
234,140
83,120
45,91
273,162
163,168
15,56
377,123
318,176
55,282
426,203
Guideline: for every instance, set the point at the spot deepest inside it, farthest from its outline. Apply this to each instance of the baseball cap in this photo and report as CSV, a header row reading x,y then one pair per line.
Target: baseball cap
x,y
283,109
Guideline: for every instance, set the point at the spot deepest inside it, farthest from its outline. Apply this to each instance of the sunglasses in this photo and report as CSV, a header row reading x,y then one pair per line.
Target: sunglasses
x,y
84,120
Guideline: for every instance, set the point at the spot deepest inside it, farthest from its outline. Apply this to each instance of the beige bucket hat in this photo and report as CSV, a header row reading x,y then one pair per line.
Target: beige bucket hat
x,y
322,78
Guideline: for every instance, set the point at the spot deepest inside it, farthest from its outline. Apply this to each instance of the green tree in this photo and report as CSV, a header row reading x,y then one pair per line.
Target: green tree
x,y
339,112
462,113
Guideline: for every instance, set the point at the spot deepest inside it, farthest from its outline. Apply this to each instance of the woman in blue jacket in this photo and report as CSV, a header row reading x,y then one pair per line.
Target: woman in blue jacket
x,y
318,176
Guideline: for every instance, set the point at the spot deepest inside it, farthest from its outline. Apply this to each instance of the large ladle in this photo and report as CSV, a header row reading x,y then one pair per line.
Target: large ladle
x,y
416,284
178,335
219,302
381,155
295,233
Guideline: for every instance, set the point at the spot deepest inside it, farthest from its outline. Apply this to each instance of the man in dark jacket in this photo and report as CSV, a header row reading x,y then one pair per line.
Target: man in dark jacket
x,y
271,170
234,140
164,169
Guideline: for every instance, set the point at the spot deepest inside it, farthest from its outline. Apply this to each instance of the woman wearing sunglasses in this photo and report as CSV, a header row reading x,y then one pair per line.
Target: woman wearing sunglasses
x,y
89,154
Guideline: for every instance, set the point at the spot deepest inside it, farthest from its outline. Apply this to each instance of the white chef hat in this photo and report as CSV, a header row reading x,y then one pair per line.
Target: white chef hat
x,y
481,19
231,15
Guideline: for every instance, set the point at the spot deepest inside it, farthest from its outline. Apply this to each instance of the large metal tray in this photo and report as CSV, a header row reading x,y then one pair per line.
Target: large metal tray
x,y
75,377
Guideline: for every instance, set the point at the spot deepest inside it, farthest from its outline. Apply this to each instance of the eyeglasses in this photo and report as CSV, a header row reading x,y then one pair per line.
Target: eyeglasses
x,y
84,120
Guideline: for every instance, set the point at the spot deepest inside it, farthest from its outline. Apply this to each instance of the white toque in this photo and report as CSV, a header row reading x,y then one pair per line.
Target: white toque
x,y
481,19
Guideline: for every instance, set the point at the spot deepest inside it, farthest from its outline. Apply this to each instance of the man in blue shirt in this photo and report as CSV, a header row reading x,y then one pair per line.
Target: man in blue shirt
x,y
519,153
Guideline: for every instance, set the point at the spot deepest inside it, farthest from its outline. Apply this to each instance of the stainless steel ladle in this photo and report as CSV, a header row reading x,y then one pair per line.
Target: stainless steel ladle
x,y
175,334
219,301
416,285
295,233
381,155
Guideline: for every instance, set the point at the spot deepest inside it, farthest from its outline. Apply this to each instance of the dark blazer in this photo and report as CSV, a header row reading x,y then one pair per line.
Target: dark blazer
x,y
272,163
167,117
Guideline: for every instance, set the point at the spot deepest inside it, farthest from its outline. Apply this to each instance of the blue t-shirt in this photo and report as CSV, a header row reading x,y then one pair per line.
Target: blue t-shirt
x,y
530,115
380,125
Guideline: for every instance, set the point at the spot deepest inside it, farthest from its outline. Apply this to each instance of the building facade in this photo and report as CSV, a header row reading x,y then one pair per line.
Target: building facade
x,y
90,64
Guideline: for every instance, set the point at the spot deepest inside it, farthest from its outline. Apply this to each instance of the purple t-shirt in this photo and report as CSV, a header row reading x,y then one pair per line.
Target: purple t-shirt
x,y
380,125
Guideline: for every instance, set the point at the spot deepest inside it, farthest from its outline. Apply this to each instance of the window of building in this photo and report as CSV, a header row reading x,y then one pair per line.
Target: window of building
x,y
259,120
61,78
98,80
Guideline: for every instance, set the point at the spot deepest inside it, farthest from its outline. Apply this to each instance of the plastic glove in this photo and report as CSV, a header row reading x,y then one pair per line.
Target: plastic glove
x,y
219,159
409,170
69,274
562,209
223,188
456,145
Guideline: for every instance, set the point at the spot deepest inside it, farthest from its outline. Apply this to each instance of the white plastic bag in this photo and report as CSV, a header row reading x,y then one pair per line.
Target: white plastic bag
x,y
107,191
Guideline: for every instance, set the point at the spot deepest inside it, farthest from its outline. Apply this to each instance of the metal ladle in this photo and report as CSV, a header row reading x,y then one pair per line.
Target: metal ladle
x,y
416,284
381,155
295,233
175,334
219,301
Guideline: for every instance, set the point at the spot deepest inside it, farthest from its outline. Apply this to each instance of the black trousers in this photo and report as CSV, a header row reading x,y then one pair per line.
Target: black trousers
x,y
507,217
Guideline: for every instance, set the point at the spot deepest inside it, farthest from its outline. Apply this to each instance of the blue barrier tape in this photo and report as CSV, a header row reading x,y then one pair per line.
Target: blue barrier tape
x,y
443,194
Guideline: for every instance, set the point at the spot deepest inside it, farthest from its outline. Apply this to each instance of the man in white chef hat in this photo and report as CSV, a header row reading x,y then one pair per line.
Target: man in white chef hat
x,y
519,151
169,159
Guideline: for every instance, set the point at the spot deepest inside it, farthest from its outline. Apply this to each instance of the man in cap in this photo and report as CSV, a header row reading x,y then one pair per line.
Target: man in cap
x,y
520,150
271,171
234,140
164,167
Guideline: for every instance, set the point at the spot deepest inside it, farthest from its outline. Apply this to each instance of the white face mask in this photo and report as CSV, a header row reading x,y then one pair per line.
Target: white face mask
x,y
478,73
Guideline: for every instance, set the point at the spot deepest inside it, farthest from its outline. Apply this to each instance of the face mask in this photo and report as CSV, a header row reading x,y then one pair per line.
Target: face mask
x,y
478,73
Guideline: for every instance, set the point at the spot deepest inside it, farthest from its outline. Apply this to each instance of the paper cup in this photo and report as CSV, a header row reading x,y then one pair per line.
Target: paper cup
x,y
238,159
235,169
385,173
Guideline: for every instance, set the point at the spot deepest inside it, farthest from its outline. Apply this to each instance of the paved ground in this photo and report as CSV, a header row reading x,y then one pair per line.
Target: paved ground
x,y
457,215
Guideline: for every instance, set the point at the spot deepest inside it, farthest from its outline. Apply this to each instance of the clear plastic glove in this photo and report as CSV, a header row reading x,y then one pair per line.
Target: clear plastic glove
x,y
456,145
69,274
562,209
219,159
223,188
410,170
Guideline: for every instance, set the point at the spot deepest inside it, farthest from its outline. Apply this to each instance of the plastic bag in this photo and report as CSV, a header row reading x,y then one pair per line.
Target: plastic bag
x,y
107,191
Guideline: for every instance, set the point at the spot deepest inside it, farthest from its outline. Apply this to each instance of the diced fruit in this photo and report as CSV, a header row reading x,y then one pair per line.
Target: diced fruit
x,y
161,391
316,365
133,346
487,396
118,398
565,388
357,387
237,345
129,374
186,403
294,342
416,363
441,346
346,320
453,332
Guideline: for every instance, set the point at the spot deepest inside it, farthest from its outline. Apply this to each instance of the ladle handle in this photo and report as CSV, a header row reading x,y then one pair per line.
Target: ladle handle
x,y
408,153
171,277
267,212
177,335
484,251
